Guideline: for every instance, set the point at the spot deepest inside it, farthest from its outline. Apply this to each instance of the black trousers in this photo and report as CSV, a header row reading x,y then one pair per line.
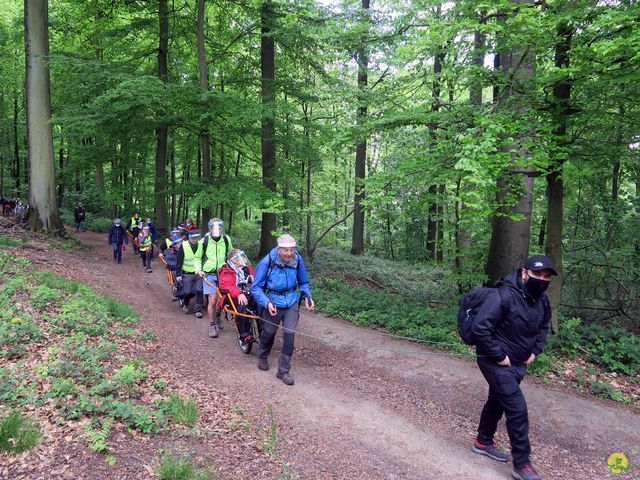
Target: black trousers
x,y
505,397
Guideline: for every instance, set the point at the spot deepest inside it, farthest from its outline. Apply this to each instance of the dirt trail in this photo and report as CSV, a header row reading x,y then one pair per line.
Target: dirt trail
x,y
358,411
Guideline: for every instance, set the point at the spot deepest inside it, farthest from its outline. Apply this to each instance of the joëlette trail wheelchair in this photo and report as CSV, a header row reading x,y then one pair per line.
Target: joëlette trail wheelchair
x,y
250,315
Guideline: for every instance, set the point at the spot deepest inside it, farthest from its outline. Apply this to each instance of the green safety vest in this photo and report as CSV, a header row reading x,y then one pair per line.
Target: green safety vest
x,y
134,223
192,260
146,243
216,253
168,242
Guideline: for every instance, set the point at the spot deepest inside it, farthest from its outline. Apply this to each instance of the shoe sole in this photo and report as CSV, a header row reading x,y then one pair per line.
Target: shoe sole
x,y
487,454
281,379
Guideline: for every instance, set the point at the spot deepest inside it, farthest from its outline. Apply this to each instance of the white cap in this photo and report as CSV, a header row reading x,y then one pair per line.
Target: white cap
x,y
286,241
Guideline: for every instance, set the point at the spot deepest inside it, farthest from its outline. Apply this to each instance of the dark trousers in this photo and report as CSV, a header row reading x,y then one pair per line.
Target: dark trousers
x,y
289,318
146,255
244,323
117,251
192,287
505,397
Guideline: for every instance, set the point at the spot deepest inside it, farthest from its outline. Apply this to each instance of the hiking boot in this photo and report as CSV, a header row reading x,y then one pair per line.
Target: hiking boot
x,y
148,270
263,364
525,473
285,377
213,330
490,451
198,315
219,322
185,309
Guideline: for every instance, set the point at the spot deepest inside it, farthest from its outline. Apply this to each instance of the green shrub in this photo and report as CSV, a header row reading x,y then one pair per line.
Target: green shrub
x,y
130,374
180,467
18,433
6,241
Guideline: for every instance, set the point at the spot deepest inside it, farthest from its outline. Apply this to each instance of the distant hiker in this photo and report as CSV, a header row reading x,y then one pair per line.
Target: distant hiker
x,y
169,254
145,245
278,277
117,239
189,258
235,278
152,230
79,214
510,333
133,229
215,248
189,226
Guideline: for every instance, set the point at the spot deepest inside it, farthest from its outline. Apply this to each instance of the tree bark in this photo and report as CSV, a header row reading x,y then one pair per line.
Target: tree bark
x,y
162,131
267,64
43,214
205,146
16,144
555,183
357,239
509,245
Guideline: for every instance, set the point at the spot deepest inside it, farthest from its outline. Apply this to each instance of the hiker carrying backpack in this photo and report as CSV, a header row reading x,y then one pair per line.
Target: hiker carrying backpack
x,y
509,326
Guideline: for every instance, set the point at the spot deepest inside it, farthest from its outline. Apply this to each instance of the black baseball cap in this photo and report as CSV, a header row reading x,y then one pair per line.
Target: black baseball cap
x,y
540,262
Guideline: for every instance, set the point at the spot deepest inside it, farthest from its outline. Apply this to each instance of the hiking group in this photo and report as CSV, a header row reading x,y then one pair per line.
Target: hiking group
x,y
208,269
507,324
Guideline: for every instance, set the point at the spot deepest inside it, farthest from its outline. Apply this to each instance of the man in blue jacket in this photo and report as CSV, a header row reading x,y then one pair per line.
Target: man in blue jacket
x,y
511,331
117,238
275,286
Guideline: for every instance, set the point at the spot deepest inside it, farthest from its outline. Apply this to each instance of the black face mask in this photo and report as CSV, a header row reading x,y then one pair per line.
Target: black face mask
x,y
536,287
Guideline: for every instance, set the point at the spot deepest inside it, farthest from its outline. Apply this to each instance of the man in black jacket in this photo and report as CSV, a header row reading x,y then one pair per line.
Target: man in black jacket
x,y
511,331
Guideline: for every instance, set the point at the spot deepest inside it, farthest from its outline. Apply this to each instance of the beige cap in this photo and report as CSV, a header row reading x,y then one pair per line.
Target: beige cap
x,y
286,241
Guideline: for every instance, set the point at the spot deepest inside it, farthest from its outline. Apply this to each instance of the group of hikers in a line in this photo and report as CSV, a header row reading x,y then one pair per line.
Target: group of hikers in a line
x,y
510,326
208,266
13,206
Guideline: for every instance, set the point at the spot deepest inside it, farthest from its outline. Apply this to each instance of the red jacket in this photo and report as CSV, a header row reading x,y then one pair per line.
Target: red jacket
x,y
227,280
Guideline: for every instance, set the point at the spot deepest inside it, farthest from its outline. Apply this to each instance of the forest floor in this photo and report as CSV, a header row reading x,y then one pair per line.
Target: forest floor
x,y
364,405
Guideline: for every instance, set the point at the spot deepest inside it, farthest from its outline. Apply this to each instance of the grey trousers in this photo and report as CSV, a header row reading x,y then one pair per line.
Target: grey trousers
x,y
192,286
289,318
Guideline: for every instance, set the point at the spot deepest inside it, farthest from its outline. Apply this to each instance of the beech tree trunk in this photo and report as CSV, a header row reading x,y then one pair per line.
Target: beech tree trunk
x,y
43,214
357,238
509,244
555,183
267,64
162,131
205,146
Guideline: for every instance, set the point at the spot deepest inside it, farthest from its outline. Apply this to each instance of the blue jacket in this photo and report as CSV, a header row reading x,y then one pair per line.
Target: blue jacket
x,y
281,284
518,331
117,235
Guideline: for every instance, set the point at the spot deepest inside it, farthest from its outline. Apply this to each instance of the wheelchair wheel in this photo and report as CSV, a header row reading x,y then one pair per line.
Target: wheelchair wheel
x,y
245,347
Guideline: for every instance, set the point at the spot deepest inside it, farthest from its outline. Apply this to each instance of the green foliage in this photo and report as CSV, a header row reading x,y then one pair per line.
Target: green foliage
x,y
43,296
6,241
16,334
180,467
270,438
98,436
18,433
130,374
184,412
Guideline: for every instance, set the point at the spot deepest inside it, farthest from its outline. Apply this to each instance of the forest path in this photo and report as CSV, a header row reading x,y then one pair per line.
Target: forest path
x,y
359,408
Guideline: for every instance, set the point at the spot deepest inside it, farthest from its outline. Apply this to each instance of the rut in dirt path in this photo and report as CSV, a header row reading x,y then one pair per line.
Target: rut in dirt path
x,y
360,412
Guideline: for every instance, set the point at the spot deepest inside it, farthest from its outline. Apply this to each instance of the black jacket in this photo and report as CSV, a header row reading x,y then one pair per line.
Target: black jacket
x,y
518,331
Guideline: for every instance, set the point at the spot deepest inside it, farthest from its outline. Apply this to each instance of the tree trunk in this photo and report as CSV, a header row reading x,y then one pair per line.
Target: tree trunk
x,y
162,131
509,245
555,183
205,146
61,176
172,167
16,144
43,214
267,65
357,239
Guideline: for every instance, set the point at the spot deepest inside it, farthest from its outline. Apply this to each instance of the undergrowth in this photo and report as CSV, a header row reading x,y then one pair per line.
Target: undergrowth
x,y
59,346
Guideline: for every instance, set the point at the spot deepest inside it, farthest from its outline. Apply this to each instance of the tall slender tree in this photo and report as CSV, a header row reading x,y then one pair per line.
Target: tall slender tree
x,y
162,130
43,214
203,73
357,238
267,64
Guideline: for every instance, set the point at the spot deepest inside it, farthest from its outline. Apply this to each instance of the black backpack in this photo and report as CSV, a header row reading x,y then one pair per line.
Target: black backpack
x,y
171,258
469,306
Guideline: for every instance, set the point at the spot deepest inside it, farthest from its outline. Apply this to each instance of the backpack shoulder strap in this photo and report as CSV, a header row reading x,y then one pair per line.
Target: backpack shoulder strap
x,y
226,246
504,296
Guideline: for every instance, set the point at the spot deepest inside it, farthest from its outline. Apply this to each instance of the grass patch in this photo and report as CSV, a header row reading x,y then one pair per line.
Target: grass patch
x,y
184,412
6,241
18,433
181,467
